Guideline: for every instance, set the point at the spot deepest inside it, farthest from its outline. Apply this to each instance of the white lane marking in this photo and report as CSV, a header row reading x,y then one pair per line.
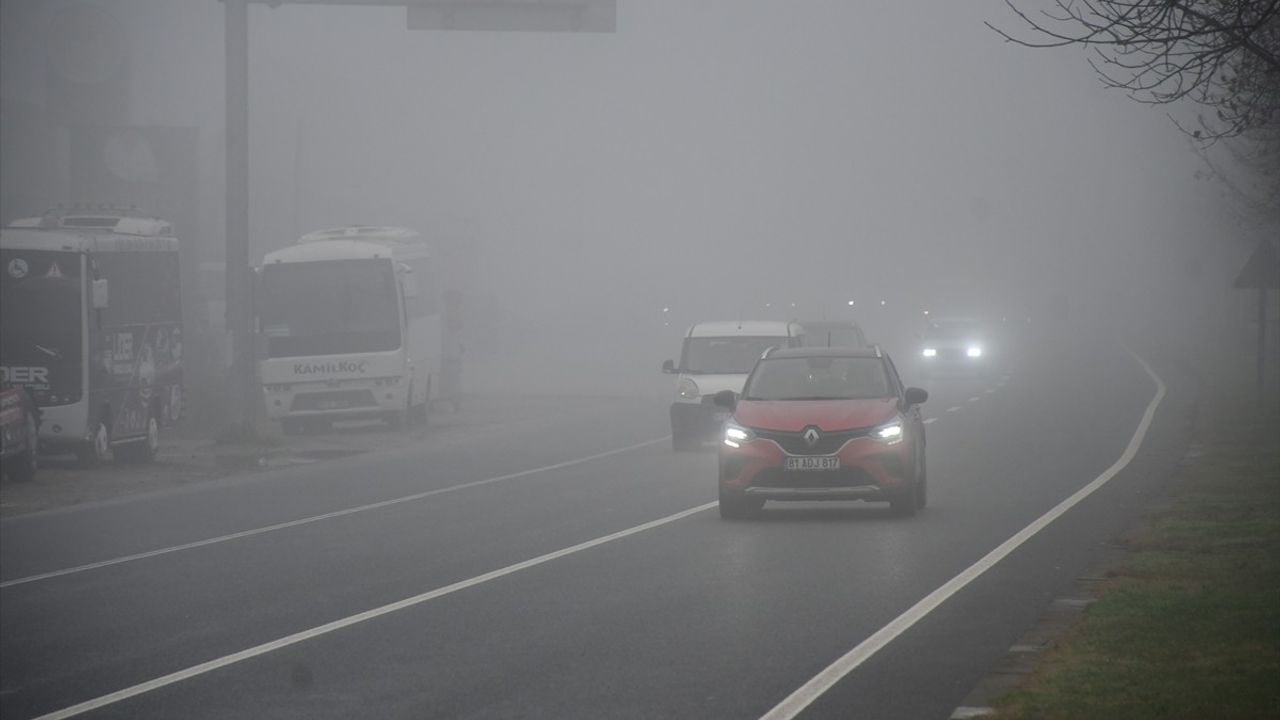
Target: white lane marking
x,y
973,399
348,621
953,409
318,518
929,420
797,701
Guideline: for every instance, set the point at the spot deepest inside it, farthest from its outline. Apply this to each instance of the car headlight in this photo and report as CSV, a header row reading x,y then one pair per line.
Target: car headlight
x,y
687,389
974,351
890,433
930,352
735,435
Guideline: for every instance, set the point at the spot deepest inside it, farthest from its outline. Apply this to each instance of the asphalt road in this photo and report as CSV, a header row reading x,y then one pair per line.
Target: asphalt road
x,y
691,617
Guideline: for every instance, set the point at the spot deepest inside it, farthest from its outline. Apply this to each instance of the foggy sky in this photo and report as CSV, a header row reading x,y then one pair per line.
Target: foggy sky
x,y
711,156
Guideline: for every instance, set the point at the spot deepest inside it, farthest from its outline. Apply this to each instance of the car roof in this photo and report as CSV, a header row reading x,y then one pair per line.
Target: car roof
x,y
811,324
808,352
731,328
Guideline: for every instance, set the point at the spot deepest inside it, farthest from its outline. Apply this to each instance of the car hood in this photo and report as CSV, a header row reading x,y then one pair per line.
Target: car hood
x,y
712,384
827,415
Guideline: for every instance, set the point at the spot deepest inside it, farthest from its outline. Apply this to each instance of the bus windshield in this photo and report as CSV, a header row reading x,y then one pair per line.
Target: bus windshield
x,y
330,307
40,322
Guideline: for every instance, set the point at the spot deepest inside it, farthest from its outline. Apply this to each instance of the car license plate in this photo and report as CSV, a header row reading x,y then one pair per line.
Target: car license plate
x,y
332,404
816,462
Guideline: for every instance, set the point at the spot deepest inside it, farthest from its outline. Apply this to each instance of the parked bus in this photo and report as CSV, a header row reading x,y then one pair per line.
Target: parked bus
x,y
91,323
351,324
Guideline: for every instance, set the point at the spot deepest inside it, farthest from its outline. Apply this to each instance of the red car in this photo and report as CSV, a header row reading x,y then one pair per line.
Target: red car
x,y
19,433
823,424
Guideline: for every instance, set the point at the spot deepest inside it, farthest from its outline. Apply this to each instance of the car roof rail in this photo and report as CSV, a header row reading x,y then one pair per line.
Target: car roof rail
x,y
876,347
767,351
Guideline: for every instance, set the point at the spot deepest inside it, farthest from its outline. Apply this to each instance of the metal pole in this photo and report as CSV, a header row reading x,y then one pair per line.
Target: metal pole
x,y
1262,340
244,392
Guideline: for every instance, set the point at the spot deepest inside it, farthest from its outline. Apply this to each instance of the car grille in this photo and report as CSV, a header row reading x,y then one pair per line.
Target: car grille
x,y
844,477
334,400
828,443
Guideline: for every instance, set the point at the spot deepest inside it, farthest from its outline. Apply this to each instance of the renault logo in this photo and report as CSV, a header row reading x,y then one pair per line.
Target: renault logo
x,y
811,436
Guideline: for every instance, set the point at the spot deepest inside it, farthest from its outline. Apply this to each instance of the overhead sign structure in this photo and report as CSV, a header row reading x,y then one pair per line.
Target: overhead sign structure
x,y
591,16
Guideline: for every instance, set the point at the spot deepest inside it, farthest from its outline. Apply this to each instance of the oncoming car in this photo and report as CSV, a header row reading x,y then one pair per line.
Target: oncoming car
x,y
834,333
717,356
954,344
823,424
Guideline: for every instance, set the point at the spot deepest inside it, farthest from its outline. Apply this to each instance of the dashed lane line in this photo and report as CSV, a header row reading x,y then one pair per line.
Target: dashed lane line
x,y
317,518
929,420
286,641
953,409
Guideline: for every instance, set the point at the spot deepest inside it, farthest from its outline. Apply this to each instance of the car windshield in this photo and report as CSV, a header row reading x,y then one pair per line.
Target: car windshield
x,y
725,355
818,378
962,331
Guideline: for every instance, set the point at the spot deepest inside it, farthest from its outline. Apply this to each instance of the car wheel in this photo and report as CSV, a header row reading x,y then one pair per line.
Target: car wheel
x,y
98,449
736,506
922,483
907,501
23,467
143,451
683,443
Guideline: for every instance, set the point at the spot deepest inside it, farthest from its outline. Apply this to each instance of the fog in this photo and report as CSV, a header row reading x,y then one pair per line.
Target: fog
x,y
720,159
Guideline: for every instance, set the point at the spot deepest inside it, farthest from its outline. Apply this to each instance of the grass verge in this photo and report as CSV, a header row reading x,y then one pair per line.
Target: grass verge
x,y
1188,625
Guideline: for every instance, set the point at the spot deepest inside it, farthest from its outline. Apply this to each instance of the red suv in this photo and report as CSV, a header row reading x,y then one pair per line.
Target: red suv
x,y
823,424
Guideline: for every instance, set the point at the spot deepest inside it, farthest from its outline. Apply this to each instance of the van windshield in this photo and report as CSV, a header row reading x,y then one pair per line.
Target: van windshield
x,y
725,355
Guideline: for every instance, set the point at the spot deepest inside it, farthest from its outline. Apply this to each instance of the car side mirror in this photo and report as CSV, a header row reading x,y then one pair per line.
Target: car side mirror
x,y
101,297
726,399
916,396
669,367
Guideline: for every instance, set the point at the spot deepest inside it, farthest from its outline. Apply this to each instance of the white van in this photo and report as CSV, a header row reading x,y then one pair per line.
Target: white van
x,y
352,328
718,356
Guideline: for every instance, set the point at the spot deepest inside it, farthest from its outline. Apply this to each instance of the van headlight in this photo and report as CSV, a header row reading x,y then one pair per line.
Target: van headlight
x,y
973,351
889,433
735,435
930,352
687,389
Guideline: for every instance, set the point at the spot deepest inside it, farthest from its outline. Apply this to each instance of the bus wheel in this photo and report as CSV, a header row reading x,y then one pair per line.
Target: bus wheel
x,y
98,449
144,450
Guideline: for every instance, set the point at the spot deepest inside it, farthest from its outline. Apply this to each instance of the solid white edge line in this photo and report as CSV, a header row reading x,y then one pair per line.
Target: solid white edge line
x,y
350,620
318,518
797,701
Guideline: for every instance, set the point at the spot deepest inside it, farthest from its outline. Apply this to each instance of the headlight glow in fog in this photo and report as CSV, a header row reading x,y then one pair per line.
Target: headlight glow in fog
x,y
930,352
889,432
973,351
735,435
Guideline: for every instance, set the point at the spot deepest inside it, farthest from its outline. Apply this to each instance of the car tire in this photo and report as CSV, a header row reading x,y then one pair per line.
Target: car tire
x,y
22,468
907,502
98,449
683,443
142,451
922,483
736,506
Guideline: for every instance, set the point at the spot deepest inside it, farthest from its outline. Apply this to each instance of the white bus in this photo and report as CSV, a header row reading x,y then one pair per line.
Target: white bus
x,y
351,324
91,323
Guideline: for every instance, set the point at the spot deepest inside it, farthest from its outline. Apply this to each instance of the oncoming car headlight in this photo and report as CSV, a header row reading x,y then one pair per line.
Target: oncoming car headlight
x,y
930,352
735,435
973,351
688,389
890,433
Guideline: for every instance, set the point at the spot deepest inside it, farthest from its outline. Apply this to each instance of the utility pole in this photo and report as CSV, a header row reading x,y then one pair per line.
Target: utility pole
x,y
245,394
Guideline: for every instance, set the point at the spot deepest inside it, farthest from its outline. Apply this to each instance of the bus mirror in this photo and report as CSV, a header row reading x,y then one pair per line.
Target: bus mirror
x,y
410,284
100,294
